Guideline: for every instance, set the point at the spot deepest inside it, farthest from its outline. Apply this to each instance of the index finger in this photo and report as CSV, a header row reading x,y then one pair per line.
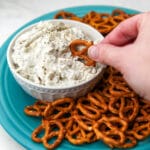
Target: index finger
x,y
125,32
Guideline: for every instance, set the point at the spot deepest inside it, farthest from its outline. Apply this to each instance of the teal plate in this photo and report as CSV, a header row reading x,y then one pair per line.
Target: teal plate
x,y
13,99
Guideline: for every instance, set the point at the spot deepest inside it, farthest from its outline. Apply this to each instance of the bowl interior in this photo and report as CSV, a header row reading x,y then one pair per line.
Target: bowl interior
x,y
92,33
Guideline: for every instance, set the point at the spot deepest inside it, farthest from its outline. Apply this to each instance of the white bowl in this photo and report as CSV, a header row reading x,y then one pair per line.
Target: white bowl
x,y
51,93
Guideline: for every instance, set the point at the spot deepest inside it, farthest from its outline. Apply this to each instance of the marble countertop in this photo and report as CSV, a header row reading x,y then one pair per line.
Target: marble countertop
x,y
14,13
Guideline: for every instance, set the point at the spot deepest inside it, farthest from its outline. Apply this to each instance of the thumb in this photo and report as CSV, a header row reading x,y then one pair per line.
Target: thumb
x,y
107,54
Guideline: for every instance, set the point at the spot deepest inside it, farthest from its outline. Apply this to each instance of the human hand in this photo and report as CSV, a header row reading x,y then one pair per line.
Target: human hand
x,y
127,48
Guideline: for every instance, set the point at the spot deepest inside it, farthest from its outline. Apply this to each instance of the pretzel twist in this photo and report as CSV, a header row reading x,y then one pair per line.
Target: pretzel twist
x,y
82,53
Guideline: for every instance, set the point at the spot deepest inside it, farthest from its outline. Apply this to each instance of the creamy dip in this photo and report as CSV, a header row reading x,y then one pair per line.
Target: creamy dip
x,y
42,55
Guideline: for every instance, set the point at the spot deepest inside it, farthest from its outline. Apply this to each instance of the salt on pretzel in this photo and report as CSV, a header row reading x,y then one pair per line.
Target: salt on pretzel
x,y
76,135
98,100
64,104
130,141
50,132
32,111
36,132
115,123
37,109
129,112
88,110
84,122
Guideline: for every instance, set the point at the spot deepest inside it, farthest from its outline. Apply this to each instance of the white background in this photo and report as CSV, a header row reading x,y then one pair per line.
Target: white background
x,y
14,13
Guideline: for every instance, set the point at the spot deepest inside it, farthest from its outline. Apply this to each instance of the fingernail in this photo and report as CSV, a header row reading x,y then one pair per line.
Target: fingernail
x,y
93,52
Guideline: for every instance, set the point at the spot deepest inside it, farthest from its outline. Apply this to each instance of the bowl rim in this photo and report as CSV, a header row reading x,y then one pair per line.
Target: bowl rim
x,y
40,86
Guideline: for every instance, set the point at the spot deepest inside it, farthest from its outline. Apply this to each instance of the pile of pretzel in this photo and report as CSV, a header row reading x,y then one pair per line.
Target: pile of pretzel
x,y
112,112
103,22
